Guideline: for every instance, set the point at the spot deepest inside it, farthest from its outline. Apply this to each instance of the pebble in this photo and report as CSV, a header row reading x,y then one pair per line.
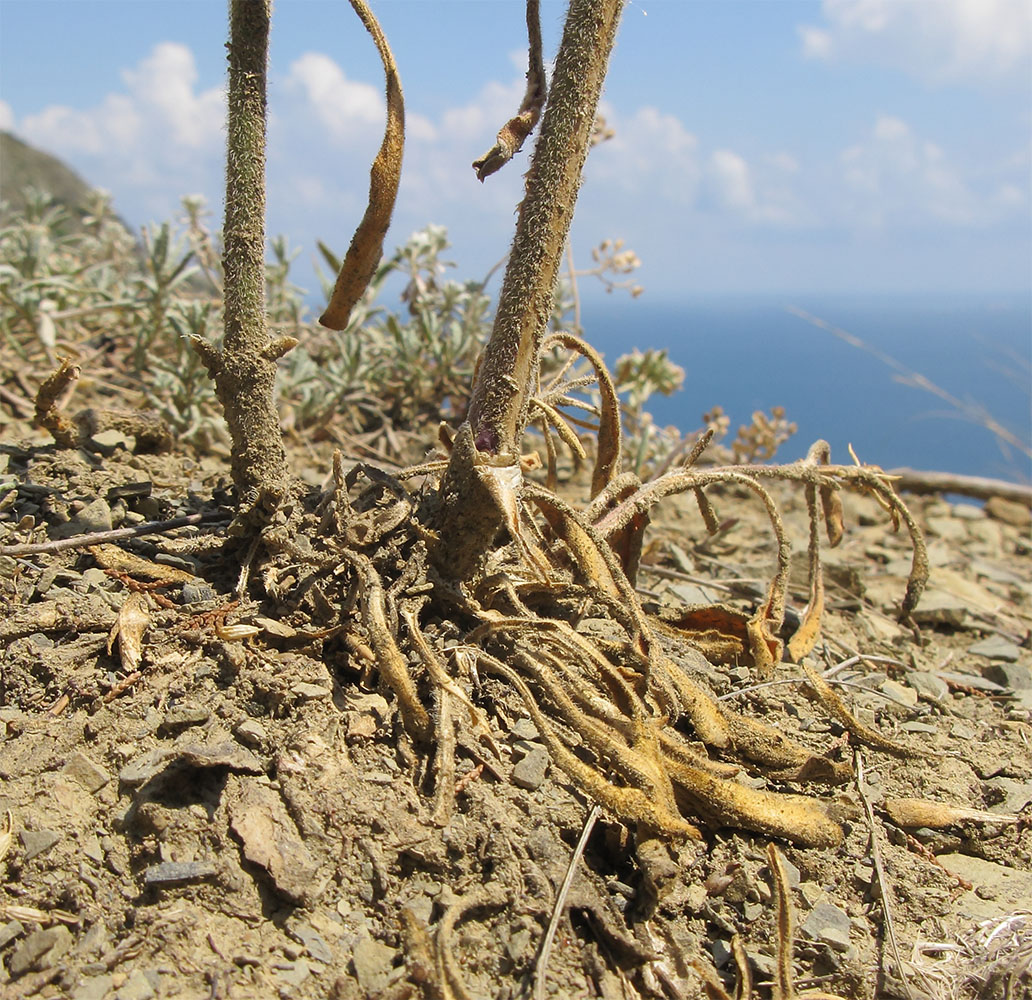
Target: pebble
x,y
829,924
196,593
40,949
94,988
251,733
524,729
1009,511
173,872
37,842
929,686
938,607
137,988
95,516
1015,676
372,961
530,772
918,727
294,973
310,692
9,931
312,940
91,776
899,693
996,647
184,716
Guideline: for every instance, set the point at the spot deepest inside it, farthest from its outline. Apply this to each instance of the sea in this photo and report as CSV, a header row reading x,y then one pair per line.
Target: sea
x,y
847,369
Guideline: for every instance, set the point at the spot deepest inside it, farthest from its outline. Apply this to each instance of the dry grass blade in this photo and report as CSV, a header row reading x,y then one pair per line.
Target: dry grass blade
x,y
545,952
366,248
885,891
514,132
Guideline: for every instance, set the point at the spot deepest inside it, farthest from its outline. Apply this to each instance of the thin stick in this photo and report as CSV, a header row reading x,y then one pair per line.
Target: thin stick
x,y
94,537
879,870
560,902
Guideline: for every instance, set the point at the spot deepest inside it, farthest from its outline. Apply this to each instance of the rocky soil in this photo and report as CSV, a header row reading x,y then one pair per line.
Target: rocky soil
x,y
239,814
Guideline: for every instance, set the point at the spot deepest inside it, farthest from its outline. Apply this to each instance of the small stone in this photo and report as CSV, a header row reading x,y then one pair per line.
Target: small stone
x,y
530,772
91,776
9,931
791,873
1009,796
295,973
918,727
360,726
1009,512
1016,676
184,716
900,693
372,961
825,919
310,692
37,842
721,952
835,938
137,988
937,607
174,872
313,941
929,686
968,511
196,593
40,950
524,729
94,988
251,733
95,516
996,648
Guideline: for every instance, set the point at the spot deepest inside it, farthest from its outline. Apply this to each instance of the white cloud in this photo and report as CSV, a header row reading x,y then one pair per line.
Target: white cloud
x,y
895,177
340,104
732,180
937,40
6,116
159,137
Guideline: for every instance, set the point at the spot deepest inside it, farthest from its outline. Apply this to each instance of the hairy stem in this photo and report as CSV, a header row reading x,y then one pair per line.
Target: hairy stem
x,y
498,408
467,520
243,367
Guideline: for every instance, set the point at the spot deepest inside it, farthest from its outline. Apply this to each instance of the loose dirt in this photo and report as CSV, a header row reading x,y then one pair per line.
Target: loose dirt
x,y
242,816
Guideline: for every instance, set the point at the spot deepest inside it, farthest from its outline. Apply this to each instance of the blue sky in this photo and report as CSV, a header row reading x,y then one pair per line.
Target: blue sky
x,y
762,146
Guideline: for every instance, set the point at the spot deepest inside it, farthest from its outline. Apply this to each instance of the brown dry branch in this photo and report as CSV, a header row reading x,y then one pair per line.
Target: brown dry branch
x,y
366,249
514,132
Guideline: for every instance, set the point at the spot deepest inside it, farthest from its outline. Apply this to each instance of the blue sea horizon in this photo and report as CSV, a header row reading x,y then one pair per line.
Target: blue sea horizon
x,y
747,353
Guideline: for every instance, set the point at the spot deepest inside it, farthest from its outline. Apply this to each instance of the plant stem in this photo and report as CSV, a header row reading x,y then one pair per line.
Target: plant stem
x,y
244,365
469,512
498,408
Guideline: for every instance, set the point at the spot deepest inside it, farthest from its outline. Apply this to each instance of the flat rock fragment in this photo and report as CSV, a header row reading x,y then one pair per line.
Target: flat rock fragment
x,y
40,949
229,754
270,839
176,872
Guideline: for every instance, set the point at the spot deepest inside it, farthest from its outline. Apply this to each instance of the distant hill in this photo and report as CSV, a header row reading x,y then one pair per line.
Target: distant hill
x,y
22,166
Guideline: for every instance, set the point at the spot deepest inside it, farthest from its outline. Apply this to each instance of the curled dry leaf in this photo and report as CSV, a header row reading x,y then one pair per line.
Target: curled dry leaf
x,y
132,622
514,132
913,813
7,836
366,248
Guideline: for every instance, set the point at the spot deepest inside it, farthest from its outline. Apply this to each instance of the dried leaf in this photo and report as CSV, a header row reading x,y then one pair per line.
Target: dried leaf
x,y
132,622
912,813
366,248
514,132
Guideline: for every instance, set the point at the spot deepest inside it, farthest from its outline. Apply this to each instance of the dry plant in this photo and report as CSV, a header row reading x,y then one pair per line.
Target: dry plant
x,y
465,577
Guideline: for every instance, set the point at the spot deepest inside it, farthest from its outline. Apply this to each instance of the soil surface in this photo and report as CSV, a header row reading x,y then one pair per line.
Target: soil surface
x,y
239,813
